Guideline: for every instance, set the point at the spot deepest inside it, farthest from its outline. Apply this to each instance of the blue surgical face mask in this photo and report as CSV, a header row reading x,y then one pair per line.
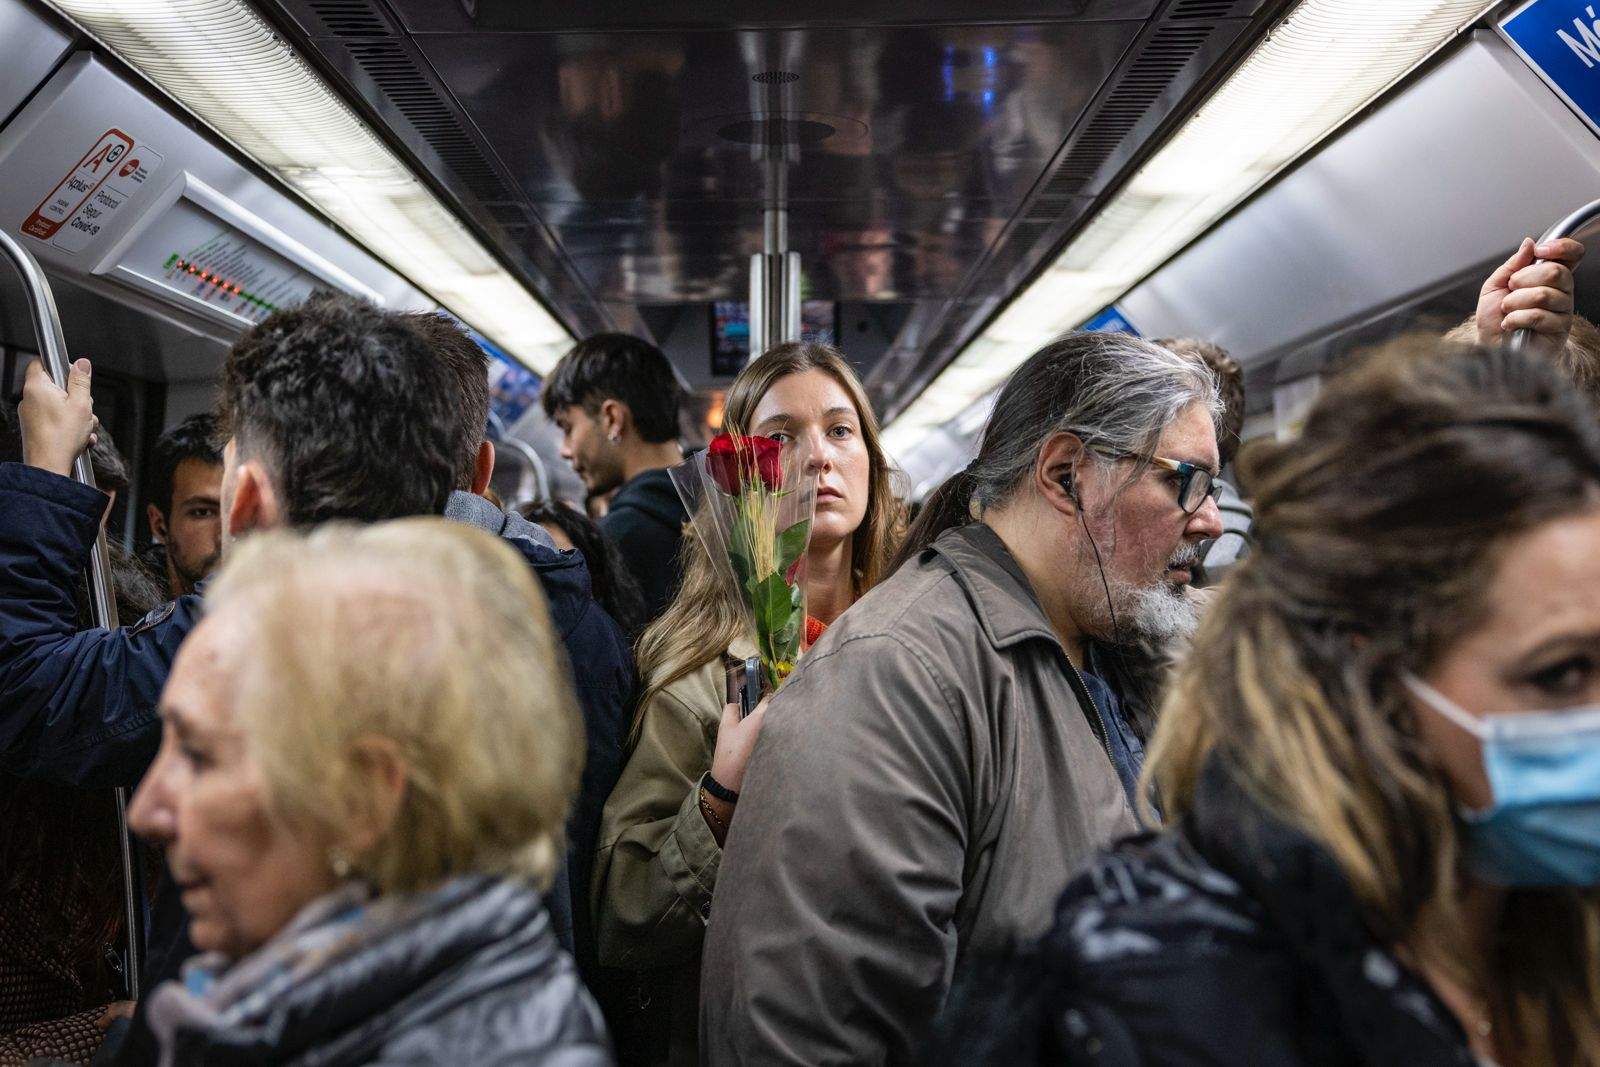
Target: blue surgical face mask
x,y
1543,826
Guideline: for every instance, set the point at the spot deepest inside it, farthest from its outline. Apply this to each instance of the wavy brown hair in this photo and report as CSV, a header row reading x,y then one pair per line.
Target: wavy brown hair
x,y
705,618
1378,533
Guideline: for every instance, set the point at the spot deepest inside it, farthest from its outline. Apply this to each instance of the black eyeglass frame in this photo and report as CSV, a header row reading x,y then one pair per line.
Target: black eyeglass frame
x,y
1187,473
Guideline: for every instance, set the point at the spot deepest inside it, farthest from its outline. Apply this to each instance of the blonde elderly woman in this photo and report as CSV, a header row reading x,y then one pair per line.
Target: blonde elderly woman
x,y
367,759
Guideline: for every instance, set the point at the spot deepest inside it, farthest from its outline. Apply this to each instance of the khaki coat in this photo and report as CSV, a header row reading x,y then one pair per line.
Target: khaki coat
x,y
656,866
925,785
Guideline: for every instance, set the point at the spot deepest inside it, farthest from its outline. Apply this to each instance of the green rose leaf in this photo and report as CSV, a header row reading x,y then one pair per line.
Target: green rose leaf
x,y
792,544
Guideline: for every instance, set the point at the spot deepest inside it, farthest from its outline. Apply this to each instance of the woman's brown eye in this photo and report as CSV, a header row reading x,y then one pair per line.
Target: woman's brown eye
x,y
1566,678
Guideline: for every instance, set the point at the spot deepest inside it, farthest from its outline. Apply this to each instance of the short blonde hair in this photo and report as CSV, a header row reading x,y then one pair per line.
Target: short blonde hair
x,y
431,635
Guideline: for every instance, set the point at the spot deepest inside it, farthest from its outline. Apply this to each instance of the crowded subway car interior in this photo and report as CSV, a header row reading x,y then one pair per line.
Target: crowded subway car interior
x,y
1036,531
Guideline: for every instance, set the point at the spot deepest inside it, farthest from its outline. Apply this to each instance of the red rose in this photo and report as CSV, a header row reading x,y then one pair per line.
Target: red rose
x,y
735,461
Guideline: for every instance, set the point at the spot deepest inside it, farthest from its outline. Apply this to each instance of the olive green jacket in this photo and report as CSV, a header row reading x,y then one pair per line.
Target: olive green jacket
x,y
656,866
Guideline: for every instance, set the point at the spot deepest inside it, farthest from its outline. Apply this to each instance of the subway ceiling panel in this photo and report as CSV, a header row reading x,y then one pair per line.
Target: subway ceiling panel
x,y
620,156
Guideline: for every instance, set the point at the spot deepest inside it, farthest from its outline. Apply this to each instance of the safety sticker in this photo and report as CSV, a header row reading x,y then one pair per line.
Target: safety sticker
x,y
81,206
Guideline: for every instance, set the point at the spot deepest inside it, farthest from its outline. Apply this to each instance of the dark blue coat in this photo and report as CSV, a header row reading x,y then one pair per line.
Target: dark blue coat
x,y
79,707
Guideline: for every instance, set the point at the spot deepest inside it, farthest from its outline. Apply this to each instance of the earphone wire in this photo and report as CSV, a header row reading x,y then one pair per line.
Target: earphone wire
x,y
1116,628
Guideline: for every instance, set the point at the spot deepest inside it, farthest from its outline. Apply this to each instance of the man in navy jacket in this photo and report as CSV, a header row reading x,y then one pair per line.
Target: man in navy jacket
x,y
335,410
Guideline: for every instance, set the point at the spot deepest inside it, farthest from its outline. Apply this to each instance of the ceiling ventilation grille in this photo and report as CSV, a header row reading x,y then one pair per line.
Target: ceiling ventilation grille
x,y
1202,9
1169,50
349,18
391,68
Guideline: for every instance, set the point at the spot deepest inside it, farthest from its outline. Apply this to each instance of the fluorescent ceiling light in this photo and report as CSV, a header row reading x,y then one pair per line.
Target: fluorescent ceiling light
x,y
221,61
1326,61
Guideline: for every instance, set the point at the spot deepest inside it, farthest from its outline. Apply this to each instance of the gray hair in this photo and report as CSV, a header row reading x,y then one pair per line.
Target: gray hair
x,y
1116,392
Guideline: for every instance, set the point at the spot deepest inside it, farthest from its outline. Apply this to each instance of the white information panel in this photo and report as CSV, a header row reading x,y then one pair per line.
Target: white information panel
x,y
191,252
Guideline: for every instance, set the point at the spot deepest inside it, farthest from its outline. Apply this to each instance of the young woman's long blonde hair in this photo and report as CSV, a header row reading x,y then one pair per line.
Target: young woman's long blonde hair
x,y
705,618
1379,532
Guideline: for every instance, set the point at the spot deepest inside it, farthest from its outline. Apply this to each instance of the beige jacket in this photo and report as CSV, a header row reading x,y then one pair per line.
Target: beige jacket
x,y
925,785
656,865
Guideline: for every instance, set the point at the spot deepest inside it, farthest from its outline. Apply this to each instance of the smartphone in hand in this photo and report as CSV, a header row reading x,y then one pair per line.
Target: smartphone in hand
x,y
745,684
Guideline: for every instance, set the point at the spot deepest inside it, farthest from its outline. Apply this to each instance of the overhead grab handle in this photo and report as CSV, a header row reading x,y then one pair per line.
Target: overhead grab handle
x,y
1570,226
53,350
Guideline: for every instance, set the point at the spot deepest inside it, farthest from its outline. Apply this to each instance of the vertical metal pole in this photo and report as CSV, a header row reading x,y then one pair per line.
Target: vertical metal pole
x,y
774,271
53,350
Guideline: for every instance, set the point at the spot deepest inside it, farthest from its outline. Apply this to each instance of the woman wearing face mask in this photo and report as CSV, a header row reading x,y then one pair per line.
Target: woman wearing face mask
x,y
1381,761
366,764
663,828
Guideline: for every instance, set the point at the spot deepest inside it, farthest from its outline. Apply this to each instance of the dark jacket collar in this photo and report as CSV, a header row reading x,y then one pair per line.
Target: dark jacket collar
x,y
564,576
1000,592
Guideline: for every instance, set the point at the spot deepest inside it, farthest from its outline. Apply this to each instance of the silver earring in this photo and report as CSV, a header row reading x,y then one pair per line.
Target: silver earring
x,y
614,438
339,860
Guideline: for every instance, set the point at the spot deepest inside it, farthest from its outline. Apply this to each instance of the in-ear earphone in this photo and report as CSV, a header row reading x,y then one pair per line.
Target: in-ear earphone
x,y
1067,486
1065,481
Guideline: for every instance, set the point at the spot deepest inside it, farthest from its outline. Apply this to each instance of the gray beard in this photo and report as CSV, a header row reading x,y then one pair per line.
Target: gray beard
x,y
1161,614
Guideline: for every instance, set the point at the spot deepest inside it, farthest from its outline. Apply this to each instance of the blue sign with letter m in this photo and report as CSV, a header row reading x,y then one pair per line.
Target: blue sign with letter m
x,y
1560,39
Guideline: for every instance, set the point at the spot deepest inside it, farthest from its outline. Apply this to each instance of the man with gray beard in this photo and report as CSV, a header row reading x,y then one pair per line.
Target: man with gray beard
x,y
962,740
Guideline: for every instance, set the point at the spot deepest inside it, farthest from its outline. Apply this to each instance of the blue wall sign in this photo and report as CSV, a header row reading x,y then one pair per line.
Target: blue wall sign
x,y
1113,321
1560,40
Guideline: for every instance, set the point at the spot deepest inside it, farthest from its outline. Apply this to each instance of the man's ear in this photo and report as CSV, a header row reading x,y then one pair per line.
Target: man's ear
x,y
614,418
158,524
1057,472
255,501
483,468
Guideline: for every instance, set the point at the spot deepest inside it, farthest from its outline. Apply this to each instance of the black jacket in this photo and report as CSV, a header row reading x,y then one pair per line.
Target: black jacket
x,y
477,979
80,707
645,522
1230,939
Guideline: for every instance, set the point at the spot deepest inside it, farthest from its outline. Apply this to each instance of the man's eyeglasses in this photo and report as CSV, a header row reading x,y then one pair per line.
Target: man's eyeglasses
x,y
1194,483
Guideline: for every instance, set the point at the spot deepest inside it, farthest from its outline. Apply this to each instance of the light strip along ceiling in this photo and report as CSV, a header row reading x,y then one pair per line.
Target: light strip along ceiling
x,y
224,63
1324,62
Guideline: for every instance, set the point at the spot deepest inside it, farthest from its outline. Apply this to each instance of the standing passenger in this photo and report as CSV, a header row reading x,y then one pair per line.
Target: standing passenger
x,y
335,410
1382,758
661,841
1221,555
940,763
369,754
185,508
616,399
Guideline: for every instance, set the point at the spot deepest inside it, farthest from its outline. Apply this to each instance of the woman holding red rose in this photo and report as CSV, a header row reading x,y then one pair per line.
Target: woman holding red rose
x,y
662,833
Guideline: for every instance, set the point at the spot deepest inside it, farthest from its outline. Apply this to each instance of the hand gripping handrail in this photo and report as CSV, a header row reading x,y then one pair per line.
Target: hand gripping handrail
x,y
1574,223
53,349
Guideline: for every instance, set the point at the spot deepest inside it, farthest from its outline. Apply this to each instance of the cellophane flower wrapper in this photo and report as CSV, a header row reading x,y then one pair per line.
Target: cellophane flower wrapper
x,y
751,503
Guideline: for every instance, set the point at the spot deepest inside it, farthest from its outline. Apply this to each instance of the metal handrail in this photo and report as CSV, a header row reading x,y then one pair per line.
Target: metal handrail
x,y
1574,223
102,597
527,453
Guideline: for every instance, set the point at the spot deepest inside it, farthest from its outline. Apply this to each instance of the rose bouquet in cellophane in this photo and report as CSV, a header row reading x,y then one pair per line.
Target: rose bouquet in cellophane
x,y
750,502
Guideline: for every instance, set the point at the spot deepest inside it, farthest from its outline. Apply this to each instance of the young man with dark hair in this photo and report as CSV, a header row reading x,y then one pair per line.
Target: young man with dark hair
x,y
617,399
333,410
185,506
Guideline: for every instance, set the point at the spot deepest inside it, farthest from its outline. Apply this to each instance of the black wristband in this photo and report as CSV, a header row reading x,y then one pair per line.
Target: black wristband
x,y
718,790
